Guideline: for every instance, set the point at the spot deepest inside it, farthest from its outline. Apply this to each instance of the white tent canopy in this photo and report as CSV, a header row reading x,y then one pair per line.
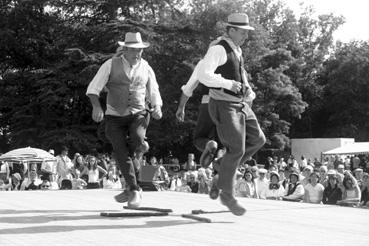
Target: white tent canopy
x,y
353,149
27,154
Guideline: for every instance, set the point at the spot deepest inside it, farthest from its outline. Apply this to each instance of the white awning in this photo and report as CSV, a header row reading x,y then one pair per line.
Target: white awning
x,y
354,148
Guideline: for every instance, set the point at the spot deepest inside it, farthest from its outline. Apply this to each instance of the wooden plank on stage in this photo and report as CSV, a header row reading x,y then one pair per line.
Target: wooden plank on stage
x,y
73,217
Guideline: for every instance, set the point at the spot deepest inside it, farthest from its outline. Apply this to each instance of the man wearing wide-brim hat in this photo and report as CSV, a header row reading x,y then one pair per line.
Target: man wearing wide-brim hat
x,y
133,92
222,70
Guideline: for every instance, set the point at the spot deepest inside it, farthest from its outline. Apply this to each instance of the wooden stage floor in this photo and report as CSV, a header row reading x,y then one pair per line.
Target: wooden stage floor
x,y
73,218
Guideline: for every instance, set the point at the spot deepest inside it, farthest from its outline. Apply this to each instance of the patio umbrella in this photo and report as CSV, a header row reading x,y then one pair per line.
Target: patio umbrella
x,y
27,154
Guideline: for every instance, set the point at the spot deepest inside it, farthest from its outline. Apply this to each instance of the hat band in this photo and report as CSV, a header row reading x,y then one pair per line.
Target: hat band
x,y
239,23
133,42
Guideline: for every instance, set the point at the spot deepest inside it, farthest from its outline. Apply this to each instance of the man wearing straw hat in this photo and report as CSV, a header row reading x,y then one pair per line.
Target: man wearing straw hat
x,y
222,70
131,85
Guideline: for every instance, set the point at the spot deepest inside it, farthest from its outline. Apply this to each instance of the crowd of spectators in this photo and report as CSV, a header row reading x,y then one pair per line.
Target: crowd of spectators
x,y
335,180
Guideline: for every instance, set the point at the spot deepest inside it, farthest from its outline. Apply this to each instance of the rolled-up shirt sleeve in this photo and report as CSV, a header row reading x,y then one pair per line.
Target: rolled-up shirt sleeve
x,y
153,94
193,82
215,57
98,83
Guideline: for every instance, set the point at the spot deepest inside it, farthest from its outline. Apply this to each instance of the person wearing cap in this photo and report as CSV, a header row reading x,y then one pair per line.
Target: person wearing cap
x,y
229,106
132,92
294,191
274,190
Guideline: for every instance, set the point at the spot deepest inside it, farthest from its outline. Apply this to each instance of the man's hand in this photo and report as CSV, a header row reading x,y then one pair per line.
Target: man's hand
x,y
180,114
97,114
156,113
236,87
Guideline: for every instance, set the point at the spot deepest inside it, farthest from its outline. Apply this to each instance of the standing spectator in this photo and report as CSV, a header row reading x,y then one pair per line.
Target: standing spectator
x,y
295,190
274,190
313,190
4,171
63,167
93,173
246,187
303,163
190,164
323,175
332,192
365,190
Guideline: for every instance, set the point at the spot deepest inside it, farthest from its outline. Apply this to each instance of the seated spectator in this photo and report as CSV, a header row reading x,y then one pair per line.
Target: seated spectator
x,y
45,185
295,191
261,182
93,173
77,182
32,182
16,180
175,182
313,190
161,177
204,181
365,190
274,190
80,165
351,194
193,183
111,181
332,192
246,186
283,179
306,174
2,185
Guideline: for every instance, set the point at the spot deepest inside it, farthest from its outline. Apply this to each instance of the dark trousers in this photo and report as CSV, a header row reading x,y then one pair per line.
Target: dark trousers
x,y
126,134
205,129
233,121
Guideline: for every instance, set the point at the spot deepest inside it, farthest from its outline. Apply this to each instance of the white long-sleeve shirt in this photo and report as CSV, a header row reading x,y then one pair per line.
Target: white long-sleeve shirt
x,y
216,56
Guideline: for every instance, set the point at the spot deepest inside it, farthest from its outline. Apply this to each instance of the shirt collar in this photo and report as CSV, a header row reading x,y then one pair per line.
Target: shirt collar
x,y
232,44
128,64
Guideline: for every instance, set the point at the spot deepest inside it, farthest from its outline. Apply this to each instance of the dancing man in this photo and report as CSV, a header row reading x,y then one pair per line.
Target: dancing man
x,y
131,86
222,69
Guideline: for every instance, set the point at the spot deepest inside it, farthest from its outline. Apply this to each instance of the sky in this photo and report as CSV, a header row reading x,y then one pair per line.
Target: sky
x,y
356,13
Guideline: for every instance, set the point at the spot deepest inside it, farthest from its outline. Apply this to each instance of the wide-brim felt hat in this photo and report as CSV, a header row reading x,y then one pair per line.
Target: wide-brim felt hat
x,y
133,40
239,20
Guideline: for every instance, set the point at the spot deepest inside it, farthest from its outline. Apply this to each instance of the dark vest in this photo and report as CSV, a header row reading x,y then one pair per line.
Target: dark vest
x,y
232,69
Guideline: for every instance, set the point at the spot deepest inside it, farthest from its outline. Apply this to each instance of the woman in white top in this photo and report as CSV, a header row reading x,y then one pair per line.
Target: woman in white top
x,y
351,194
93,170
112,181
314,190
246,187
274,190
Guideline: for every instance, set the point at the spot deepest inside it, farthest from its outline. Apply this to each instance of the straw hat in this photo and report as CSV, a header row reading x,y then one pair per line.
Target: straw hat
x,y
239,20
133,40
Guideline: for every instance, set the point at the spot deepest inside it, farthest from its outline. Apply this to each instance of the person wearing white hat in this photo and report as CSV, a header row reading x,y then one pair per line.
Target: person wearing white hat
x,y
133,92
229,105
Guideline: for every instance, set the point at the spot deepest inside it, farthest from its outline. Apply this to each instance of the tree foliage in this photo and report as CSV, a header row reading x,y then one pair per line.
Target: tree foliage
x,y
50,51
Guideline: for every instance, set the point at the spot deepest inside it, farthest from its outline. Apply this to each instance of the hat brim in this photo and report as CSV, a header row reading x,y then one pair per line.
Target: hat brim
x,y
246,27
134,45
